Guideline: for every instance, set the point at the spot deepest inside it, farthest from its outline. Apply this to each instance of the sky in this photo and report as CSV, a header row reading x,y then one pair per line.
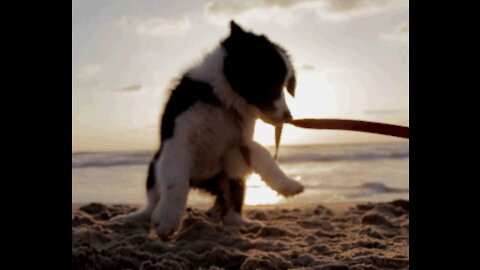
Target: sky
x,y
351,58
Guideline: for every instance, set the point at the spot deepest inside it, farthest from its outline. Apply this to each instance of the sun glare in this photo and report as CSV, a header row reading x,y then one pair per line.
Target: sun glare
x,y
258,192
315,98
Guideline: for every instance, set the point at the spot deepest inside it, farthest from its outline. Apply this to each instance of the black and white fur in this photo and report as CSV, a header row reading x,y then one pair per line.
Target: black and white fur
x,y
207,129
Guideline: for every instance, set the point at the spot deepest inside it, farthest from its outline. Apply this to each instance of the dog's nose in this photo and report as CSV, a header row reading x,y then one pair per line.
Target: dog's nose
x,y
287,116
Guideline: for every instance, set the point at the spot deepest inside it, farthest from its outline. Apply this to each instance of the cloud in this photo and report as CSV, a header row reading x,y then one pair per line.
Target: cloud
x,y
399,34
87,72
164,27
87,75
290,11
235,8
307,67
87,84
227,9
341,10
382,111
158,26
280,11
132,88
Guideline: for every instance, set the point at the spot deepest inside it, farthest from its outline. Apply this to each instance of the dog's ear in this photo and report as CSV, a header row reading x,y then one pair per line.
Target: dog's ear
x,y
235,29
291,84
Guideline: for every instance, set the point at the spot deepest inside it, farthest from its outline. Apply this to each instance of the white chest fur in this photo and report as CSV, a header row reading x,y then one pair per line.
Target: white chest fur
x,y
208,133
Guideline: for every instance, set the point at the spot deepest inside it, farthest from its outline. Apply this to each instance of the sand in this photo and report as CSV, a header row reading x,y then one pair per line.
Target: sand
x,y
336,236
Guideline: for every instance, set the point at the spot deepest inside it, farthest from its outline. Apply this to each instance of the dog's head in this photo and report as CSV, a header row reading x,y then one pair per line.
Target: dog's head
x,y
258,70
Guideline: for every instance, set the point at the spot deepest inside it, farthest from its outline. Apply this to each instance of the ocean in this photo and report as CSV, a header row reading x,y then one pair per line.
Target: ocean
x,y
330,174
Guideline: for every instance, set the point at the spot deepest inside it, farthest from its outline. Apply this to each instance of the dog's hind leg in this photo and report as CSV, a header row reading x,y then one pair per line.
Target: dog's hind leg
x,y
152,198
237,168
217,186
237,194
229,196
233,215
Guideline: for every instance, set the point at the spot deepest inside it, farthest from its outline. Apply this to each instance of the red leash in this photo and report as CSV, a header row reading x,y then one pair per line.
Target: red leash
x,y
353,125
344,124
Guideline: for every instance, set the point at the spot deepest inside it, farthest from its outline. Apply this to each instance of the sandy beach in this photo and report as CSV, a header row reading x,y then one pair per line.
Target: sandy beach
x,y
330,236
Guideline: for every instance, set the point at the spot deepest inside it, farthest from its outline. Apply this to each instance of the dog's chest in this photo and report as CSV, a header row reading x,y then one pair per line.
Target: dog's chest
x,y
211,132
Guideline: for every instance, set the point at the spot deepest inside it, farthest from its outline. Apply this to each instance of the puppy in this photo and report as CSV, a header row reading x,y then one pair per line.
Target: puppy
x,y
207,128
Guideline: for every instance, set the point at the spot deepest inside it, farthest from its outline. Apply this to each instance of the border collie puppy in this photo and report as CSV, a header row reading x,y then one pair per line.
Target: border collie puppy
x,y
207,129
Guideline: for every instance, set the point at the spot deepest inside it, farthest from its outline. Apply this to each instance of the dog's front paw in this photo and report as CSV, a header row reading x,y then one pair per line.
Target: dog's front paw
x,y
242,222
290,188
136,217
166,223
235,219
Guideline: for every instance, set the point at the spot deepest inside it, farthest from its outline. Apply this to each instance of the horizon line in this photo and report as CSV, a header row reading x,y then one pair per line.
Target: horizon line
x,y
270,145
